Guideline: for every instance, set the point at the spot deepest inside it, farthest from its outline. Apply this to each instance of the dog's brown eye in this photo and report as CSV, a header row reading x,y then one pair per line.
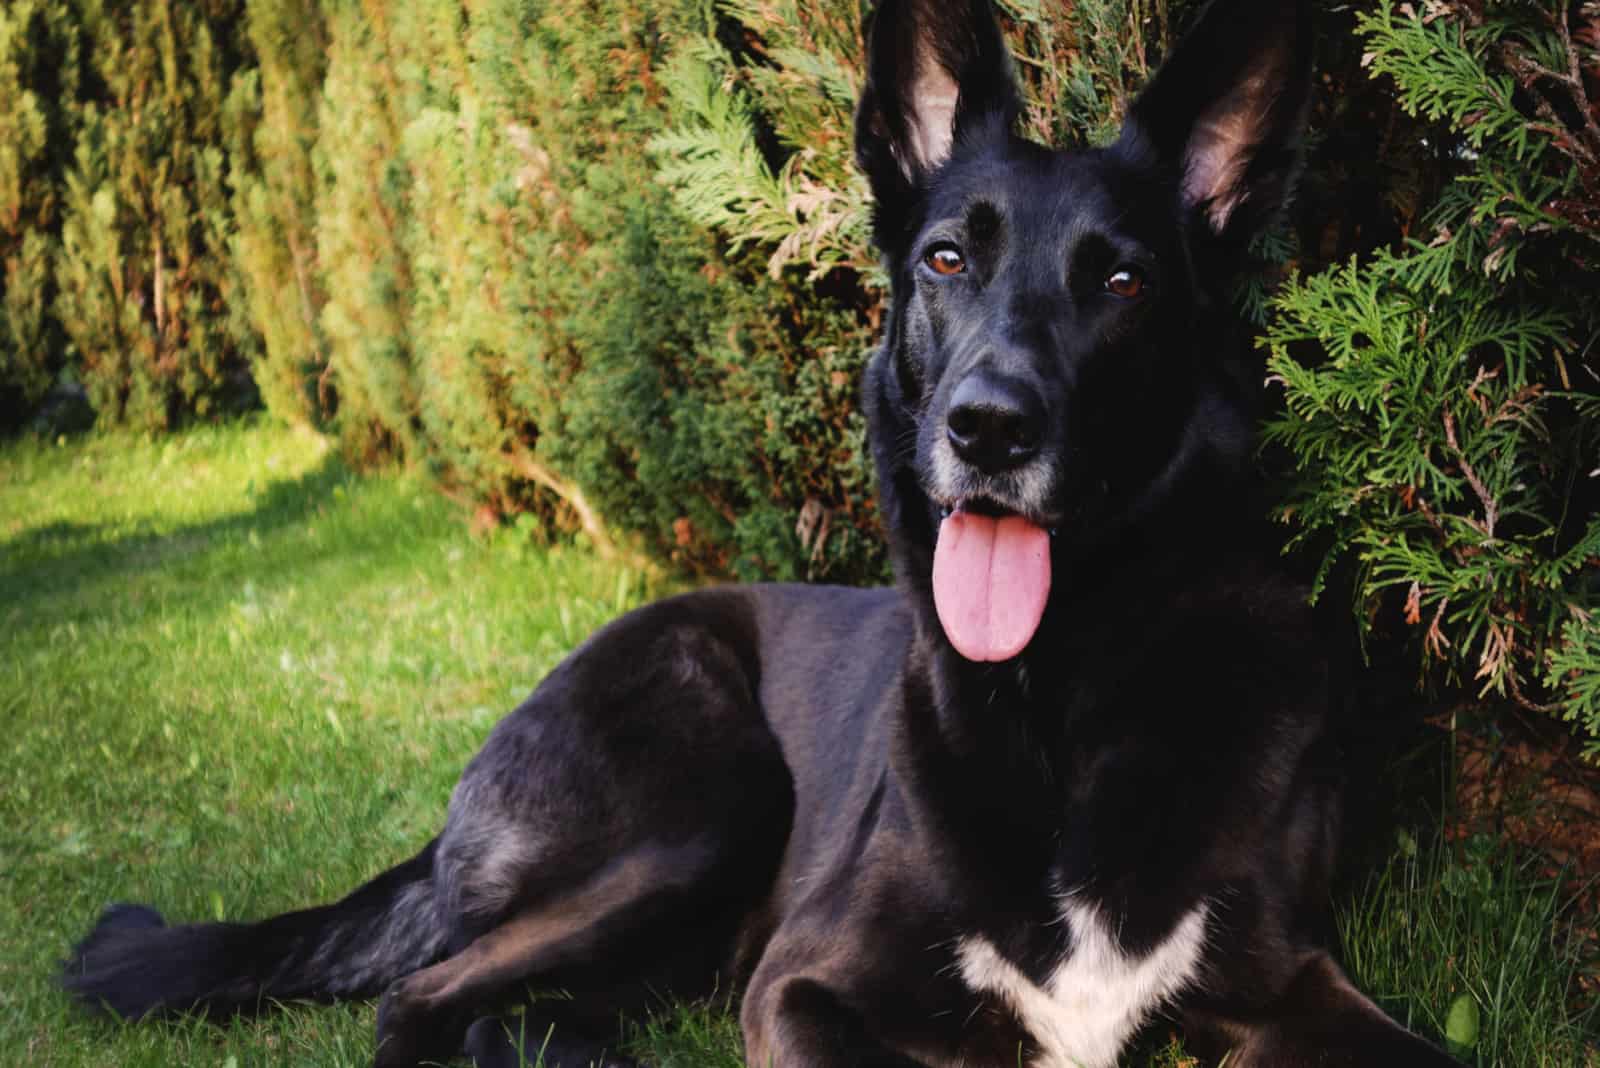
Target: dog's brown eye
x,y
945,259
1126,283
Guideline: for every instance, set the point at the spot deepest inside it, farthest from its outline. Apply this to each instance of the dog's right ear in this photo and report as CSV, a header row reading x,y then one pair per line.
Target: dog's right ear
x,y
938,73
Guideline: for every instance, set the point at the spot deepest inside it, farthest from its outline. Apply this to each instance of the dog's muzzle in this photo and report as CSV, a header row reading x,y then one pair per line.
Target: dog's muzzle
x,y
991,567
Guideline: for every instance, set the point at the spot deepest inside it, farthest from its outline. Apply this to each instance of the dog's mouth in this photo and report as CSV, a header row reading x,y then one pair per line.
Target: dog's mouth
x,y
991,579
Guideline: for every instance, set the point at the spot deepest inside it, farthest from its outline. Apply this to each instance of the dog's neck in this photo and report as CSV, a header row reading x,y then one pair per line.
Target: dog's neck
x,y
1010,726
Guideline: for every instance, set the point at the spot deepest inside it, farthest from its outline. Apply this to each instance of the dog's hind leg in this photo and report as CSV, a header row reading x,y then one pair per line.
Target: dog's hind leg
x,y
629,902
614,835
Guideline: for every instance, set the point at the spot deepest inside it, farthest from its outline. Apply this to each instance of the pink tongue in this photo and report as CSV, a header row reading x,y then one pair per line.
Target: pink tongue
x,y
990,581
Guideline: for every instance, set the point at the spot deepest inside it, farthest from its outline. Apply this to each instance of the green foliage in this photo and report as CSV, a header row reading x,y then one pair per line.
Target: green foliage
x,y
606,262
39,55
148,295
1435,403
800,80
545,327
463,330
760,155
1082,63
272,134
362,198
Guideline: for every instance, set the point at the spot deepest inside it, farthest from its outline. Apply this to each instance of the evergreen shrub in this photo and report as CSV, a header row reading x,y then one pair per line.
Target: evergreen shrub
x,y
271,137
1439,396
363,190
564,336
39,48
147,292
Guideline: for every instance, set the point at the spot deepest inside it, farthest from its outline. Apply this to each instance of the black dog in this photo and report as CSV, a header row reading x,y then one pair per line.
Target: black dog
x,y
1073,771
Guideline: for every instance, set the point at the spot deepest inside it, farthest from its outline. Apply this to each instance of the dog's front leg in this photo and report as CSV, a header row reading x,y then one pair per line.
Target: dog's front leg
x,y
1320,1021
801,1023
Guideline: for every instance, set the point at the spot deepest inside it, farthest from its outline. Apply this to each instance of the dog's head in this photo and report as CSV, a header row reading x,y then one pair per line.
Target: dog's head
x,y
1058,362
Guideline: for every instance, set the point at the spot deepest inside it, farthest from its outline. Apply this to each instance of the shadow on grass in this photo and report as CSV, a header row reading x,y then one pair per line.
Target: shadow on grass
x,y
85,561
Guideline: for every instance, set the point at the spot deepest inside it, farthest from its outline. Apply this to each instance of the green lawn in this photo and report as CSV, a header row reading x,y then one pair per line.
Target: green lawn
x,y
236,679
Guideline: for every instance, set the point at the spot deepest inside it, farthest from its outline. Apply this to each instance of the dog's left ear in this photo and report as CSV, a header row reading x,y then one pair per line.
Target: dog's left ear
x,y
1226,112
938,73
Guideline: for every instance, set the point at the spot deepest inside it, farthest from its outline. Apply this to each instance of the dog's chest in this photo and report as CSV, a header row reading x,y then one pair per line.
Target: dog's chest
x,y
1097,997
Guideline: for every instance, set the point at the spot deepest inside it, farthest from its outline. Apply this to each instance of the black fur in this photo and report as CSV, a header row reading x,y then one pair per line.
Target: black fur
x,y
133,965
904,857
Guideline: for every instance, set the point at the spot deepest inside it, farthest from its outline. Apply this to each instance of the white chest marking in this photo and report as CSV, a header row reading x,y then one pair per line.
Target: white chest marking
x,y
1096,998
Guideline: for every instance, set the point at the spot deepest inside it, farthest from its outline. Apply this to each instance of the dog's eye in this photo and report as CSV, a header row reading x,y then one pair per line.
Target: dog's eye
x,y
1126,283
944,258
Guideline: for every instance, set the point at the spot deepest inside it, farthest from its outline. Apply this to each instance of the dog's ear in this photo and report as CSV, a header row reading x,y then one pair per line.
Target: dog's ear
x,y
938,72
1226,112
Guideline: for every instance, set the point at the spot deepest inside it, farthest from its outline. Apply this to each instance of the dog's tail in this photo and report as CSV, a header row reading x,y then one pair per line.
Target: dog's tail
x,y
134,965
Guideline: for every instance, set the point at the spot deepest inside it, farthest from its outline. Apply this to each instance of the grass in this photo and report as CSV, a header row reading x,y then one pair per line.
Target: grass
x,y
1474,942
235,679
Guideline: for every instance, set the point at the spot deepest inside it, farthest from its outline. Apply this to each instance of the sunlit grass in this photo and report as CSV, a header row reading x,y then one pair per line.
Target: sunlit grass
x,y
234,680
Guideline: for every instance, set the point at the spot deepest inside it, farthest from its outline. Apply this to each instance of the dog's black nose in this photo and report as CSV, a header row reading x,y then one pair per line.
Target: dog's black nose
x,y
995,423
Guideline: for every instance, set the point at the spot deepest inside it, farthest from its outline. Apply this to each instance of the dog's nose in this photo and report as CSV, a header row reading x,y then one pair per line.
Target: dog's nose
x,y
995,423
